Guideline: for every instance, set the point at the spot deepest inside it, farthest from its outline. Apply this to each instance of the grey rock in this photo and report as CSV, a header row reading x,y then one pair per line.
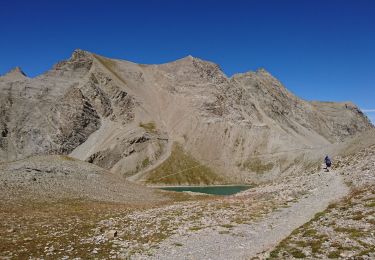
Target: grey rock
x,y
111,234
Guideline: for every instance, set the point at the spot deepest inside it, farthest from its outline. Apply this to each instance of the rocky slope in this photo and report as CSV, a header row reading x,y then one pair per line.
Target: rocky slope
x,y
55,178
128,117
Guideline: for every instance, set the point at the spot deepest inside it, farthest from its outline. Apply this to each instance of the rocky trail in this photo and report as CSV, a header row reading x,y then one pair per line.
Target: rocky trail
x,y
247,241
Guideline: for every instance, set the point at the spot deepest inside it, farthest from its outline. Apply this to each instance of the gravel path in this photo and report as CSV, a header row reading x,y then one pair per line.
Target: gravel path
x,y
246,241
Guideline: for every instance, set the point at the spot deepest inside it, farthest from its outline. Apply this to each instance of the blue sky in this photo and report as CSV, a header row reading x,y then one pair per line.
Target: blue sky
x,y
320,50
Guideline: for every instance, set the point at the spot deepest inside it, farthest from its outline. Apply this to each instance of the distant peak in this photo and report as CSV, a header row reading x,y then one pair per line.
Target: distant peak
x,y
189,57
16,72
190,65
78,59
262,70
258,72
191,60
79,54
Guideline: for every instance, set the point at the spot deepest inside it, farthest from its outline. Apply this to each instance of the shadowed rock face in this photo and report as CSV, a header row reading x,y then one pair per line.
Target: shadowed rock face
x,y
77,119
125,117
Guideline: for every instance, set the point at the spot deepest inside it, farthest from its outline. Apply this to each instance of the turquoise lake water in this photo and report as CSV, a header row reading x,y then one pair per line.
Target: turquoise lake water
x,y
217,190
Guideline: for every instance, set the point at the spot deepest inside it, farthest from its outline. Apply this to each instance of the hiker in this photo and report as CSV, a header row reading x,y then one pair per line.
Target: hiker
x,y
327,162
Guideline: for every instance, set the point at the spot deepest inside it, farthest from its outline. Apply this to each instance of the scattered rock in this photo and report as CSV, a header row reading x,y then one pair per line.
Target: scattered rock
x,y
110,234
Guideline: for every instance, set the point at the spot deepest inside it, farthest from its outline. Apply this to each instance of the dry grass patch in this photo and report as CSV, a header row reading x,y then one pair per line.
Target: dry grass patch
x,y
54,230
182,169
257,166
149,127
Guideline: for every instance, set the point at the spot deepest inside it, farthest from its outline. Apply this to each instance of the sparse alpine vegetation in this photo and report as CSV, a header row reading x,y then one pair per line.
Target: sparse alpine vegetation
x,y
257,166
150,126
182,169
344,230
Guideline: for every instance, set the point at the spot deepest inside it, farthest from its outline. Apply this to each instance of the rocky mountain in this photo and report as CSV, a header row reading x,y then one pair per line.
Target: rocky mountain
x,y
142,121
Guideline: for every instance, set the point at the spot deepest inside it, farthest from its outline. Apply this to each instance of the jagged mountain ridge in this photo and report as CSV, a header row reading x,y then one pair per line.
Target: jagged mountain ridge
x,y
125,116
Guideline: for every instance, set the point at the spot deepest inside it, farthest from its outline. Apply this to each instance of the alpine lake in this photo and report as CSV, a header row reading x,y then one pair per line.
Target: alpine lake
x,y
215,190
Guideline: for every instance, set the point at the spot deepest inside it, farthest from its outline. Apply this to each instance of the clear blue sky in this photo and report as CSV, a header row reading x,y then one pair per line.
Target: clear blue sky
x,y
320,50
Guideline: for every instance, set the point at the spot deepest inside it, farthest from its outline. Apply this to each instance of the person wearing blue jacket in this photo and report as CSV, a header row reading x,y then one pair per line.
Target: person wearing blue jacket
x,y
328,162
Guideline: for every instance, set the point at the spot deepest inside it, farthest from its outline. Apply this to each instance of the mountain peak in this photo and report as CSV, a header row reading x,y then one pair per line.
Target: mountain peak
x,y
188,57
79,54
16,73
190,66
251,73
184,60
191,59
78,59
17,70
262,71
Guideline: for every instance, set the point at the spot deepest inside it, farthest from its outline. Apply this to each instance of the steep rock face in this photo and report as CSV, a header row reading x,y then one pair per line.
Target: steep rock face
x,y
126,117
47,114
76,120
107,98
